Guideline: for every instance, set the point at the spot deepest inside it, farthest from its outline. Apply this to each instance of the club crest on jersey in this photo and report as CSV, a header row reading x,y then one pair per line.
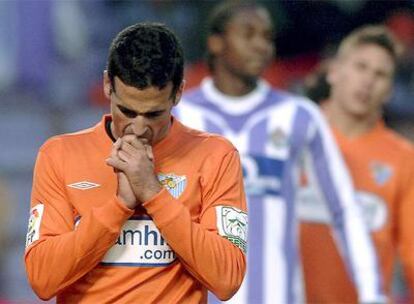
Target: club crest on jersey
x,y
175,184
381,172
278,138
232,224
33,230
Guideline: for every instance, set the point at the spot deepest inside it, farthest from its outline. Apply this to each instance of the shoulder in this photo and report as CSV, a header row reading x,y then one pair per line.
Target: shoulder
x,y
298,102
194,95
283,95
297,109
64,142
308,106
210,143
398,142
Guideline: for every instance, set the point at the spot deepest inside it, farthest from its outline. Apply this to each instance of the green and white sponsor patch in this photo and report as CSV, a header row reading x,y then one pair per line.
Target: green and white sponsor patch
x,y
232,224
33,230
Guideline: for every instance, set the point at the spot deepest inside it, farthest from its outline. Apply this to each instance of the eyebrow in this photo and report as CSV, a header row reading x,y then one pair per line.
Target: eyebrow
x,y
133,112
125,109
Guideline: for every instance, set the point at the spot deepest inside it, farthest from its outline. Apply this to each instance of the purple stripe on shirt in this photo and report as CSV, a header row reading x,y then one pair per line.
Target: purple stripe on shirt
x,y
323,174
257,141
212,127
258,138
255,251
235,121
297,143
195,96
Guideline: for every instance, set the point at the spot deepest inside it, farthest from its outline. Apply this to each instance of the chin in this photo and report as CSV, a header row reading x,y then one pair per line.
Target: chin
x,y
251,77
359,112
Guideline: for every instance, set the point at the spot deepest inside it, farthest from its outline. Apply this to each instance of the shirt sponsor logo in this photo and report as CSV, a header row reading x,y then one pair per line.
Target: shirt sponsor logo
x,y
232,224
312,209
261,175
175,184
84,185
374,209
140,243
35,219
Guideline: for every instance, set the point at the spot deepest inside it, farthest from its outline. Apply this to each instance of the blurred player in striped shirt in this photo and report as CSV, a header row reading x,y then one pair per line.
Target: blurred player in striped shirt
x,y
278,135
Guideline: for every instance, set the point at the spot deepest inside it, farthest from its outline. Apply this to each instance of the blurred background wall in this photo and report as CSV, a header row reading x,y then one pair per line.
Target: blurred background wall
x,y
53,53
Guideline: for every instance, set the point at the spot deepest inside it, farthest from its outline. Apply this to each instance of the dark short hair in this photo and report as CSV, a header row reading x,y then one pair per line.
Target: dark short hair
x,y
144,55
220,17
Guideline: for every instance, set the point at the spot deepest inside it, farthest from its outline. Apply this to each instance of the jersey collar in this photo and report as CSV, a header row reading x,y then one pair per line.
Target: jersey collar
x,y
236,105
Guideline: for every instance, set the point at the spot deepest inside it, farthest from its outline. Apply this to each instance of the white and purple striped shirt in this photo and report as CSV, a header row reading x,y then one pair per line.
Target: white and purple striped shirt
x,y
278,135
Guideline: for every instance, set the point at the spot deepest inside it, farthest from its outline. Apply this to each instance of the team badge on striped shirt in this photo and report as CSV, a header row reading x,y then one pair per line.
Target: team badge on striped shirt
x,y
175,184
279,138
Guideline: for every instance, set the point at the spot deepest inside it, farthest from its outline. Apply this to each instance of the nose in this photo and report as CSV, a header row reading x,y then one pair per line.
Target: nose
x,y
137,126
263,45
369,80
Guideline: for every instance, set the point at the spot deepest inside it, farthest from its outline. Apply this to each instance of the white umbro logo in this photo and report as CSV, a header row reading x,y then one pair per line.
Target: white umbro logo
x,y
83,185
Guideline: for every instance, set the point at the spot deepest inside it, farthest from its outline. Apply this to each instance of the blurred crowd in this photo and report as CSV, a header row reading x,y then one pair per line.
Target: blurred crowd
x,y
53,54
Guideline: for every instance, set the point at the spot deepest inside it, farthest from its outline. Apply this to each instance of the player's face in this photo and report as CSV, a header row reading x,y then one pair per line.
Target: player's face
x,y
361,80
145,113
247,44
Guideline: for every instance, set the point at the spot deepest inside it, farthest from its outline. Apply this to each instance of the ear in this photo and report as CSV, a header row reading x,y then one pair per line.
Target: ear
x,y
179,93
332,71
107,86
215,44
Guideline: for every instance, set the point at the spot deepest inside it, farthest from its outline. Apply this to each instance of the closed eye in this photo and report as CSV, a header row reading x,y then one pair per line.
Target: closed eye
x,y
154,114
128,113
132,114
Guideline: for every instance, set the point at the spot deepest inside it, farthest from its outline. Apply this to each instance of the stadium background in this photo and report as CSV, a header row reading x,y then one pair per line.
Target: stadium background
x,y
52,54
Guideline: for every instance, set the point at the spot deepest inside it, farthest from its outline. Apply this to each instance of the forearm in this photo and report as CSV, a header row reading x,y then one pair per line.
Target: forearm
x,y
57,261
209,257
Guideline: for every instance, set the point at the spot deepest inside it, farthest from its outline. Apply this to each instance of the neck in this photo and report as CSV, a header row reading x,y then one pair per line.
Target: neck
x,y
349,124
233,85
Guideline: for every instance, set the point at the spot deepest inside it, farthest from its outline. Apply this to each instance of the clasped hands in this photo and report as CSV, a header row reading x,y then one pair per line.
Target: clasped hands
x,y
133,161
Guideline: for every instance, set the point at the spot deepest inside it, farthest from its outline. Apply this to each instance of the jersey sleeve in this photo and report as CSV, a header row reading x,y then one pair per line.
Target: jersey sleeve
x,y
213,248
58,253
405,223
330,175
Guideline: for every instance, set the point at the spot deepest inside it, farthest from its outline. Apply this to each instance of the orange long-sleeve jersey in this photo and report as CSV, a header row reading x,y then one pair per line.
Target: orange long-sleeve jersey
x,y
85,246
382,167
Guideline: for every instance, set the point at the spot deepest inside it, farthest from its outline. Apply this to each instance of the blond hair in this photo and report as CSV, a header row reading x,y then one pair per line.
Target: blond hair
x,y
377,35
